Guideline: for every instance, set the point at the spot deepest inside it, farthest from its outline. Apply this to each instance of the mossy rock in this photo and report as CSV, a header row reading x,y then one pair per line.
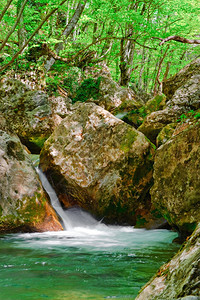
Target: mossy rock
x,y
26,113
24,205
165,134
135,117
157,103
175,192
178,278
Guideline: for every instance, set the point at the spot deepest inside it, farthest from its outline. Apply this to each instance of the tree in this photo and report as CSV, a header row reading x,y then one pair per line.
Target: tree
x,y
129,35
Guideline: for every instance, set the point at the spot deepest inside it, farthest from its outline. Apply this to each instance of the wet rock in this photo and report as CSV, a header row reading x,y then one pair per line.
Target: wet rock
x,y
100,163
175,192
23,203
179,279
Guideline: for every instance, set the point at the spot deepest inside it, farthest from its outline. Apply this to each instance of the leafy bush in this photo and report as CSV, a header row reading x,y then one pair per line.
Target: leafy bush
x,y
88,89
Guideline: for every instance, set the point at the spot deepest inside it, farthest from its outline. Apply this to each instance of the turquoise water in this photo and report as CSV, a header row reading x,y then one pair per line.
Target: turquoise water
x,y
90,262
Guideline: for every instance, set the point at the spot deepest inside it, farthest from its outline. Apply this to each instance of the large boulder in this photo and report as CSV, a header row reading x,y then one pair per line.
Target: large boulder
x,y
185,99
183,92
175,82
27,113
100,163
188,95
179,279
175,192
157,120
23,203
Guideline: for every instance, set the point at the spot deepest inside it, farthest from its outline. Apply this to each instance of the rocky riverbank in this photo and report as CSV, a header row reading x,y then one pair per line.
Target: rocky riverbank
x,y
143,170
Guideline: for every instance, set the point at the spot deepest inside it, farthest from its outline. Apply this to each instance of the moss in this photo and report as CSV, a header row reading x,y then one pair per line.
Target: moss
x,y
34,210
128,140
14,149
156,103
1,210
165,134
30,211
156,213
38,140
135,117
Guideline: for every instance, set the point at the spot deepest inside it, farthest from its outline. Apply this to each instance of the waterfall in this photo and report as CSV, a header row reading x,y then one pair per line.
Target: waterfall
x,y
72,217
54,200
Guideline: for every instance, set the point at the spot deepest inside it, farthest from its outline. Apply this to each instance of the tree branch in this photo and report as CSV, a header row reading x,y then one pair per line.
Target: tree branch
x,y
55,56
33,34
15,25
66,32
5,9
177,39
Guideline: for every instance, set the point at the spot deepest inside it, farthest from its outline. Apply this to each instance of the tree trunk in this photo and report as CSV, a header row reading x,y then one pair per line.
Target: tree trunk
x,y
66,32
21,30
158,83
126,60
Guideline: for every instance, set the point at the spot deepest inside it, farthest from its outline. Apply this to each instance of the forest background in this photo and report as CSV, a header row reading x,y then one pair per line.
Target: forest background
x,y
142,42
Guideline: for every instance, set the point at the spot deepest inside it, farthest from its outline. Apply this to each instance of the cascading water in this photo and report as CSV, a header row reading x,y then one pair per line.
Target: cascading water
x,y
88,260
71,218
54,199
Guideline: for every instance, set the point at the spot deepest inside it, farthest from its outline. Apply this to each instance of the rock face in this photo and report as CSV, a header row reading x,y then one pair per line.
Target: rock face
x,y
177,179
179,279
100,163
175,82
27,113
23,203
157,120
183,90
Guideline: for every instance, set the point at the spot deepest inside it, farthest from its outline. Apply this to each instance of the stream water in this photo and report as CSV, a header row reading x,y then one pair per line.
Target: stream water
x,y
88,260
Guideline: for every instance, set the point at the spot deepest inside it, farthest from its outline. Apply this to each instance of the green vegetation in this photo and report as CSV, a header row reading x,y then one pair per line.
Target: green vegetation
x,y
43,39
188,116
88,89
